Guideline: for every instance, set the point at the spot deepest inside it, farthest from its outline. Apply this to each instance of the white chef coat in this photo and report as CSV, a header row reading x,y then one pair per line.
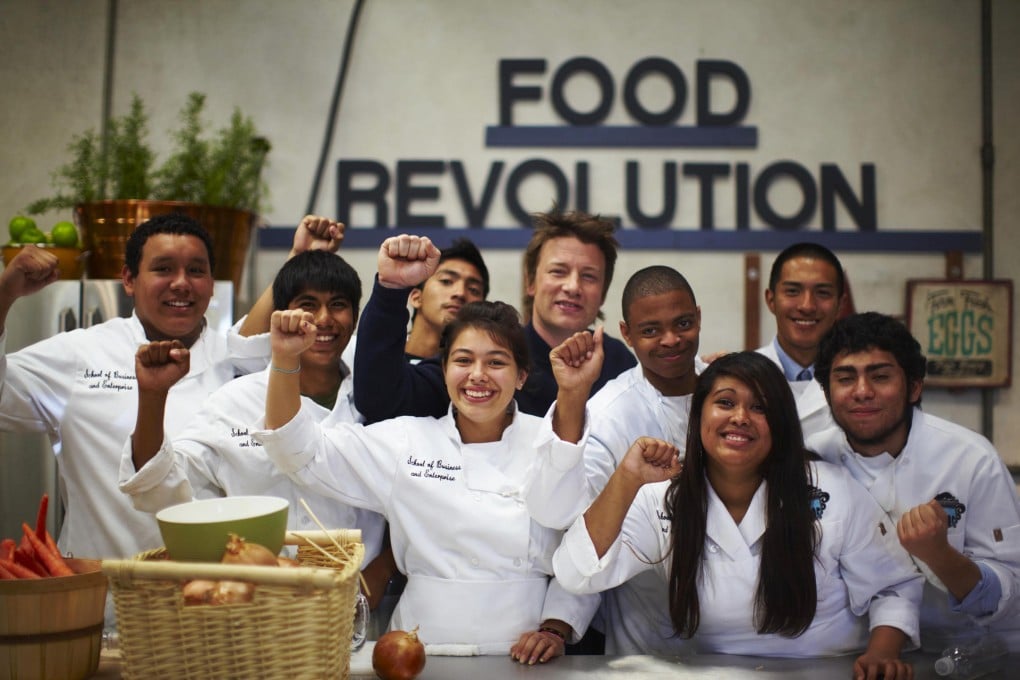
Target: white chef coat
x,y
858,570
214,456
812,407
633,615
942,457
79,388
478,566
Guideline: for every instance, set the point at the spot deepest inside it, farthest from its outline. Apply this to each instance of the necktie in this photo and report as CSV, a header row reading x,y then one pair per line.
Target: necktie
x,y
804,375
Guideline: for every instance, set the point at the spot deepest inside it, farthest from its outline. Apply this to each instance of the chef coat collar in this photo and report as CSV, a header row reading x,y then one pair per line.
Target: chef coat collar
x,y
736,541
199,352
496,467
449,424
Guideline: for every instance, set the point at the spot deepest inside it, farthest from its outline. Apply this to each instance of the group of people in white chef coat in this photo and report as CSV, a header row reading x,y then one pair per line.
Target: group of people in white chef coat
x,y
691,500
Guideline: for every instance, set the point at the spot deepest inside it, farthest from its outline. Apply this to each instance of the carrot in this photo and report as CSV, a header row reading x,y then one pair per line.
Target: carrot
x,y
53,561
7,547
6,575
26,559
18,570
51,544
40,518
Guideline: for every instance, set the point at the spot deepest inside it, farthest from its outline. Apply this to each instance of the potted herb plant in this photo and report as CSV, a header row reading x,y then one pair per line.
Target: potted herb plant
x,y
114,184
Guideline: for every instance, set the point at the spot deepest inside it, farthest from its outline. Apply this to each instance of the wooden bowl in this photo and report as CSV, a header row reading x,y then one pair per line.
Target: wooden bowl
x,y
53,627
71,260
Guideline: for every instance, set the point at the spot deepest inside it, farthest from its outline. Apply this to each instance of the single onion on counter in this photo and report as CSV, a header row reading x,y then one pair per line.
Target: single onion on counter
x,y
240,551
398,655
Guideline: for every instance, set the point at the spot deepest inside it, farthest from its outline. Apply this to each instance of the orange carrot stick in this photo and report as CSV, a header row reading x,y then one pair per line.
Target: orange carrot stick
x,y
27,559
40,518
51,544
6,575
53,562
18,570
7,547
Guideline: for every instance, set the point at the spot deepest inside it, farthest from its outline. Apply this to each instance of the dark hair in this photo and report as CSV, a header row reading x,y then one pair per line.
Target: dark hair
x,y
500,320
318,270
786,597
464,249
655,280
812,250
585,227
870,330
170,223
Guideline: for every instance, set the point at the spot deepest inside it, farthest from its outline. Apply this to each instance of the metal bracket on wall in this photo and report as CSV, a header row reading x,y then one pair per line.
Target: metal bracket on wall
x,y
752,301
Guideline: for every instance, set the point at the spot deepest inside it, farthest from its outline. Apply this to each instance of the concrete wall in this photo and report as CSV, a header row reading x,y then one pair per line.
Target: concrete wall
x,y
896,84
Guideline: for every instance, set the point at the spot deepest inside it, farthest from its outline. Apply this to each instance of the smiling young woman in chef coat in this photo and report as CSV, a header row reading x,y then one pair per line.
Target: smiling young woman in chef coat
x,y
764,551
454,489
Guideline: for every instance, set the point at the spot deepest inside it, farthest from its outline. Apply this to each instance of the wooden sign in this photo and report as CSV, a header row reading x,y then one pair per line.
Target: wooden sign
x,y
965,329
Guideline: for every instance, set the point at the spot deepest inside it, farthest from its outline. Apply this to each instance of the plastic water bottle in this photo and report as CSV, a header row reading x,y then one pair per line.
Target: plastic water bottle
x,y
973,659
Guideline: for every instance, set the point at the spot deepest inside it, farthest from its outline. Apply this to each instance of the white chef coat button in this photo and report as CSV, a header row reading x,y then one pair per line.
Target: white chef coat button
x,y
517,561
474,561
713,548
478,497
842,456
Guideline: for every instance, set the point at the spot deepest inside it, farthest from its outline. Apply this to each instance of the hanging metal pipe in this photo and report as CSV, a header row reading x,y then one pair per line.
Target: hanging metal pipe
x,y
107,103
987,190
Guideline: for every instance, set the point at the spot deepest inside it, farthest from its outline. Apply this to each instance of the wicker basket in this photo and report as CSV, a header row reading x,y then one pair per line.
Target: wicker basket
x,y
297,625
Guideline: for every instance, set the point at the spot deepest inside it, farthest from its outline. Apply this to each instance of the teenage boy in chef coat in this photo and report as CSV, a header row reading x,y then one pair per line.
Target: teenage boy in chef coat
x,y
662,324
79,387
214,456
953,502
806,293
569,265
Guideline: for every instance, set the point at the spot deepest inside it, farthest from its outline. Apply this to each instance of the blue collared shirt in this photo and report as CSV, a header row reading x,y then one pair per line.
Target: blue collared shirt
x,y
983,599
791,369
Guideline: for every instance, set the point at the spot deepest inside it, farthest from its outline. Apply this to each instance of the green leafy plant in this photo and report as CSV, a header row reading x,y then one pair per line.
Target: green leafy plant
x,y
225,170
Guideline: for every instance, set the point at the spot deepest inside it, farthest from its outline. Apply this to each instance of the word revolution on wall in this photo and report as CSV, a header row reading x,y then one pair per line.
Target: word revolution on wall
x,y
406,185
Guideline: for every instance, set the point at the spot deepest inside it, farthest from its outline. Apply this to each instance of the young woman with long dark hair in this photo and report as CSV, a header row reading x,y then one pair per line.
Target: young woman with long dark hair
x,y
763,550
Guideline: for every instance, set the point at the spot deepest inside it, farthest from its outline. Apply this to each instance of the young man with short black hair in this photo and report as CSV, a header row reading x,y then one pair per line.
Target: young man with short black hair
x,y
953,502
807,291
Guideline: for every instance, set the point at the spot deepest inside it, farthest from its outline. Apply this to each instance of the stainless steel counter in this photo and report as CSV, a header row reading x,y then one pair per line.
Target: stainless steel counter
x,y
705,667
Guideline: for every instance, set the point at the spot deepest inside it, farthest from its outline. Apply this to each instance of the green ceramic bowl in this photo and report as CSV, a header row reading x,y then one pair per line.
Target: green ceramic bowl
x,y
197,531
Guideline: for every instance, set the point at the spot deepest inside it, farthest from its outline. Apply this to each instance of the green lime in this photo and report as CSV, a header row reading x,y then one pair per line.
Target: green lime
x,y
32,235
18,225
64,234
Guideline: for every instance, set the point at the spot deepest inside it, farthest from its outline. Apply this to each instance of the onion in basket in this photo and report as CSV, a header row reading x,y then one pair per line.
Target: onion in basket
x,y
398,655
232,592
198,591
240,551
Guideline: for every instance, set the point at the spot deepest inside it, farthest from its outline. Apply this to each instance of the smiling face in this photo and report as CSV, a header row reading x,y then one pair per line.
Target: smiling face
x,y
871,400
568,288
455,283
334,324
173,287
664,332
481,377
734,430
806,303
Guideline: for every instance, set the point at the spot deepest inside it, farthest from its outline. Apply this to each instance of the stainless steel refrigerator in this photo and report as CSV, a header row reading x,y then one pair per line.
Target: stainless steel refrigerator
x,y
27,464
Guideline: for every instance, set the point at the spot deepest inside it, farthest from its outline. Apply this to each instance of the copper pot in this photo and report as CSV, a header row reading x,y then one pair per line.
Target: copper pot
x,y
106,225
